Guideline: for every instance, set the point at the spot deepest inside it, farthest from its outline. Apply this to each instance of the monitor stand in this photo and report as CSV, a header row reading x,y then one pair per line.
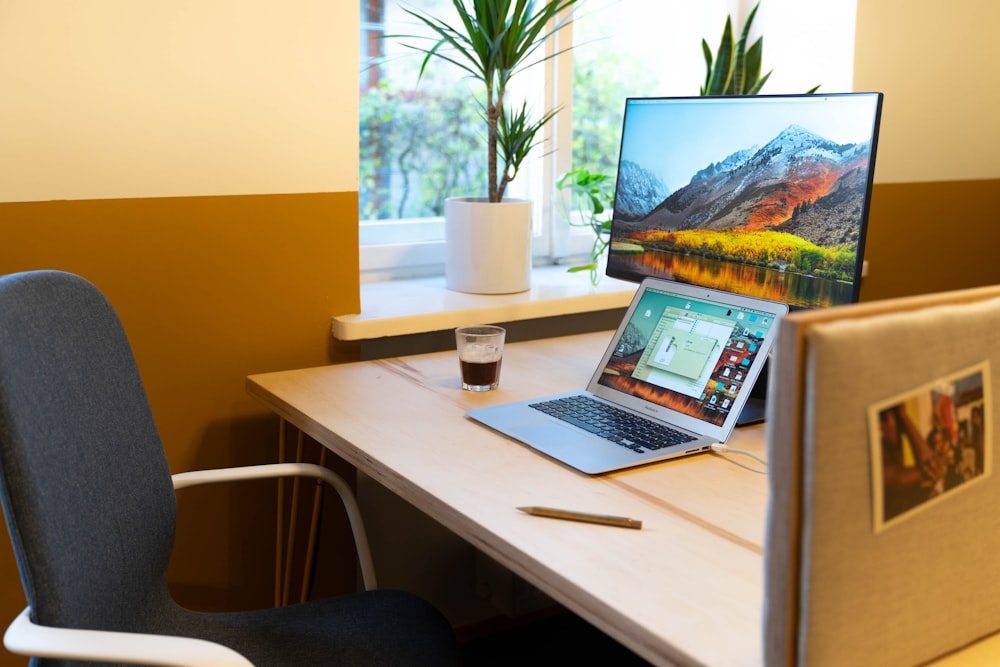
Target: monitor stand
x,y
755,407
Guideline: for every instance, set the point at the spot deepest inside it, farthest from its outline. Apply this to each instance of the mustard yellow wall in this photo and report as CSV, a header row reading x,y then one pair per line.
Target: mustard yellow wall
x,y
198,162
931,237
932,61
209,289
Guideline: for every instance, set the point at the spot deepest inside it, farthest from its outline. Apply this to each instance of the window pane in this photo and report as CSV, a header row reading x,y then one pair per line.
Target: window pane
x,y
807,44
420,138
632,48
649,48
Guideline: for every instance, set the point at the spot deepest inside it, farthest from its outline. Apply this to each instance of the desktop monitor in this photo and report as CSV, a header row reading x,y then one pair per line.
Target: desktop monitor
x,y
764,195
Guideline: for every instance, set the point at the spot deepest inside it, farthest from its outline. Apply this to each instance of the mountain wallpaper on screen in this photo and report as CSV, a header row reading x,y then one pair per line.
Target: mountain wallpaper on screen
x,y
783,221
798,183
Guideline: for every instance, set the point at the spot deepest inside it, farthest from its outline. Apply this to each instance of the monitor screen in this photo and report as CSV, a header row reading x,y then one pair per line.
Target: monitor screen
x,y
764,195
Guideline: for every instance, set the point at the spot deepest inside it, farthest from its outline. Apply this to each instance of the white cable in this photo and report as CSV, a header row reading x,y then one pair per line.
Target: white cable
x,y
721,448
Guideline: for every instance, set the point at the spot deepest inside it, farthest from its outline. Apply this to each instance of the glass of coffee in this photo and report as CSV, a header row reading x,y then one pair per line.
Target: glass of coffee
x,y
480,351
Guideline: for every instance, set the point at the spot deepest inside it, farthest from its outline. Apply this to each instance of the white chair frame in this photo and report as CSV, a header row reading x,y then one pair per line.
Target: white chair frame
x,y
24,637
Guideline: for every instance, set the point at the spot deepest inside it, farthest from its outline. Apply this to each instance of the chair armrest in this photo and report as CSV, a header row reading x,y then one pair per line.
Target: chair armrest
x,y
273,470
24,637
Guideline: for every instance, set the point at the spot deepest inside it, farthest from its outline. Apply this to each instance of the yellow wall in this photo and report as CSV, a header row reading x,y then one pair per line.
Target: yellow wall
x,y
931,237
933,62
198,162
111,98
934,218
209,289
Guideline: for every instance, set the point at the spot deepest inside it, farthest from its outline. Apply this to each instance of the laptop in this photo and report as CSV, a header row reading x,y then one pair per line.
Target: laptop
x,y
671,383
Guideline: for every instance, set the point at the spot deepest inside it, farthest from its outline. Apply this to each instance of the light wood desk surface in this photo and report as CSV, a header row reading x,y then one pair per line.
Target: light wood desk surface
x,y
685,589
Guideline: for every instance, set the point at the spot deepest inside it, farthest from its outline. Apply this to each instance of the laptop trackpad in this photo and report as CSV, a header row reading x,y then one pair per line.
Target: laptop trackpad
x,y
549,435
571,445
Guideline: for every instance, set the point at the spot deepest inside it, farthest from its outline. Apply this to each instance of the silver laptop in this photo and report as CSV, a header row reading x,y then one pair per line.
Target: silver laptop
x,y
672,382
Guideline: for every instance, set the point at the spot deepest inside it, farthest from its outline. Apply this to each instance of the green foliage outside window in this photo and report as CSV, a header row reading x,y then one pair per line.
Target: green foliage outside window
x,y
598,104
416,150
601,83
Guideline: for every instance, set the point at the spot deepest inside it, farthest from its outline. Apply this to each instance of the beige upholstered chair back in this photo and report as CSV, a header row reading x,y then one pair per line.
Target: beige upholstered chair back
x,y
883,537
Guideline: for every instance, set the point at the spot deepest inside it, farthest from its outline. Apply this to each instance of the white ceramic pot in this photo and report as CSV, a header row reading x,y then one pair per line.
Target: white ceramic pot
x,y
488,245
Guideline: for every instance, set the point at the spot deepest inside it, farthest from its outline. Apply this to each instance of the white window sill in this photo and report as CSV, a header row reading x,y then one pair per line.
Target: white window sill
x,y
402,307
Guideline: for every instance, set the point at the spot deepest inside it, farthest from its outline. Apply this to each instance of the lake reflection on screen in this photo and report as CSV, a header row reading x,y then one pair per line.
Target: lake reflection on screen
x,y
801,290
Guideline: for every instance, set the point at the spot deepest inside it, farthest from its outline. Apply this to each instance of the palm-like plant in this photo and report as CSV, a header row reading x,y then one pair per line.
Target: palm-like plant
x,y
492,41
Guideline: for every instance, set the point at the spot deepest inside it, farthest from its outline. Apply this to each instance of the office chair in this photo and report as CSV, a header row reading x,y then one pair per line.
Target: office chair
x,y
89,503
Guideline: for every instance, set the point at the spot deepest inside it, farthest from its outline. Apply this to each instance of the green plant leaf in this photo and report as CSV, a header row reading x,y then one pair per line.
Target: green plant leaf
x,y
753,63
722,70
592,195
740,74
493,42
755,89
741,70
707,52
582,267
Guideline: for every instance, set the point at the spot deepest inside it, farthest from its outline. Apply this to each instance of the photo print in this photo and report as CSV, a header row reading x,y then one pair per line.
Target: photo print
x,y
929,443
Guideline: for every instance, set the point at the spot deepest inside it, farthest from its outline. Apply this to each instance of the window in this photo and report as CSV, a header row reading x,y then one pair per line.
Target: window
x,y
423,142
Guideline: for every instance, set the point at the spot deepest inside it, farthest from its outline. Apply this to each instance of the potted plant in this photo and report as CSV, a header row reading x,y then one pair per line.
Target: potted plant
x,y
489,238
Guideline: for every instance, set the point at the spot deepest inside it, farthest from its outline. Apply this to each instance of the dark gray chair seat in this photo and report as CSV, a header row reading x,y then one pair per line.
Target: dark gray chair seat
x,y
89,503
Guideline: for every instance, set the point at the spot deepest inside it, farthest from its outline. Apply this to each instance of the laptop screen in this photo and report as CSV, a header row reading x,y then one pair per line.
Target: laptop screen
x,y
687,354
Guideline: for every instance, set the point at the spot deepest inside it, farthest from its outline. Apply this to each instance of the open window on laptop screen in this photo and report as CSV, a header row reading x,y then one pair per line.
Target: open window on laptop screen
x,y
690,355
764,196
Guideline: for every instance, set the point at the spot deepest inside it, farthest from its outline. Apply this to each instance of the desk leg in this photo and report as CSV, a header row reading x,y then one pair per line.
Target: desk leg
x,y
312,546
292,521
280,522
285,540
306,530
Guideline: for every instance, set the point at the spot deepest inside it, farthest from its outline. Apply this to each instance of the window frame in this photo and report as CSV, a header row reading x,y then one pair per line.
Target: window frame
x,y
418,245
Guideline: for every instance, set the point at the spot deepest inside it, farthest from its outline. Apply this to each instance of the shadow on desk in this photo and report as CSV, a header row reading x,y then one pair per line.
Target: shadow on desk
x,y
548,327
562,639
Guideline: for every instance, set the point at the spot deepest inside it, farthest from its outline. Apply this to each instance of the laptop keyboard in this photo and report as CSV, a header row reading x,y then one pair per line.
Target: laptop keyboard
x,y
613,424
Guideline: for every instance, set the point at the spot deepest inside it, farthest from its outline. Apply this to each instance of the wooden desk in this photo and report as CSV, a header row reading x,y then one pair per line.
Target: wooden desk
x,y
686,589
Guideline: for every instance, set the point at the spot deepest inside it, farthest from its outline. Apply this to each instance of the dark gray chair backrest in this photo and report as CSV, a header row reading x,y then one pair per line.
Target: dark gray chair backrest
x,y
85,485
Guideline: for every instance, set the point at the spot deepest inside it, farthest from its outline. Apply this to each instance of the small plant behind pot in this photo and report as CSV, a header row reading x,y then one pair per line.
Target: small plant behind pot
x,y
592,201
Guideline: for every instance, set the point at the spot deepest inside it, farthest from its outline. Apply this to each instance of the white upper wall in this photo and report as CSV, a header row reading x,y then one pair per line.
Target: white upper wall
x,y
119,98
799,56
936,64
